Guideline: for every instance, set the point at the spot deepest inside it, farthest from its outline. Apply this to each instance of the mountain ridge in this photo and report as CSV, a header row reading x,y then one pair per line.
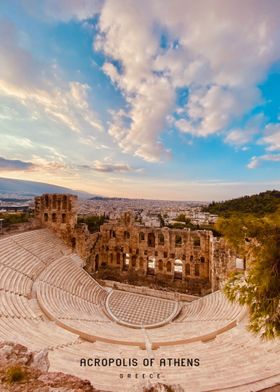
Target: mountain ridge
x,y
34,188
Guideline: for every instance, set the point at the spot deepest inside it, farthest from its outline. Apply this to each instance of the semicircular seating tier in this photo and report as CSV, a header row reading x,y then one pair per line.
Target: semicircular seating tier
x,y
48,301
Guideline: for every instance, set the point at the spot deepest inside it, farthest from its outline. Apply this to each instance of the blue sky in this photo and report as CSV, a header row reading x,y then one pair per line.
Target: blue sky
x,y
153,100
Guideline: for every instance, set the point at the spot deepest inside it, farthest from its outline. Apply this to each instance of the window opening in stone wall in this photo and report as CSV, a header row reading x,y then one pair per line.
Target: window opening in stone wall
x,y
151,240
160,265
178,240
196,241
168,266
161,239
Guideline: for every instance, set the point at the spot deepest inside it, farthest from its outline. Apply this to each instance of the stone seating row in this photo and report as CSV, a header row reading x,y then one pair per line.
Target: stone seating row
x,y
214,306
14,305
34,333
86,328
15,281
22,261
42,244
64,305
235,359
76,281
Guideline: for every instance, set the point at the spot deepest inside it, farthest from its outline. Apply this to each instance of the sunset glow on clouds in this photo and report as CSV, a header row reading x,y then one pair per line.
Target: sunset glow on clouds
x,y
155,99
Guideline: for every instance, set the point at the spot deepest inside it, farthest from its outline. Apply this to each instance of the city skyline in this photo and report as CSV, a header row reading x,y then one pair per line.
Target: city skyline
x,y
158,100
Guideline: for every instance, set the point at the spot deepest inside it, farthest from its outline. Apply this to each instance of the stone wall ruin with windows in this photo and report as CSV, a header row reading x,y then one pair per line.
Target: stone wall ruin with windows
x,y
179,255
192,260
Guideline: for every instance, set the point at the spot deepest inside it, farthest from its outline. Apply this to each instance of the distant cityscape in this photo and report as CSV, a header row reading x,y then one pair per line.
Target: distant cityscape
x,y
150,213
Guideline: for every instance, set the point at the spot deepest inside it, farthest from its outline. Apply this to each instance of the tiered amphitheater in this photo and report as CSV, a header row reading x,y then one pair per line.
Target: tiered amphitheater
x,y
48,301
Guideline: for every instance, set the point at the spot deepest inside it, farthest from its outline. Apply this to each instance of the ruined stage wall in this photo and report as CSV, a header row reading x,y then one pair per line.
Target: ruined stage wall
x,y
195,259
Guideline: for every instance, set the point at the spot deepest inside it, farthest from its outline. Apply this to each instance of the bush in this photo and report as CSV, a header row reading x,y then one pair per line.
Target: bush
x,y
14,218
15,374
93,222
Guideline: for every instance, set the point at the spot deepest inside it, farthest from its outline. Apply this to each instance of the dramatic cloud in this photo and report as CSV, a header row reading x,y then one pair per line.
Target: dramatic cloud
x,y
256,161
15,165
219,51
216,51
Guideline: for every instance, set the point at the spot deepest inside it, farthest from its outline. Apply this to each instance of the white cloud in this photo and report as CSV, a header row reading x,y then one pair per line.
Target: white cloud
x,y
272,137
219,50
256,161
105,167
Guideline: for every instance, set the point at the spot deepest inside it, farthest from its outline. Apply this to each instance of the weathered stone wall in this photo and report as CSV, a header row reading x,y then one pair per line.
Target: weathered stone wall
x,y
58,212
182,254
195,260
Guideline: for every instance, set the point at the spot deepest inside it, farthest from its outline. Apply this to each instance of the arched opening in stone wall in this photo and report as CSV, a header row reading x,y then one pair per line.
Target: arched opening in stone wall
x,y
54,202
112,234
126,235
141,236
178,269
196,269
191,258
64,203
196,241
46,217
161,239
151,265
160,265
168,266
118,259
178,240
47,201
202,259
133,261
111,258
188,269
54,217
63,218
151,240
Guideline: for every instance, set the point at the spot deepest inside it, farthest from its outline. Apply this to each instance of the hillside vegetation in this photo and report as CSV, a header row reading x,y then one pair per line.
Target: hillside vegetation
x,y
261,204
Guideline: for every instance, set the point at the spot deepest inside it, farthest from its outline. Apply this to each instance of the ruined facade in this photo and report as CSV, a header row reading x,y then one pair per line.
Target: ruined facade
x,y
58,212
195,260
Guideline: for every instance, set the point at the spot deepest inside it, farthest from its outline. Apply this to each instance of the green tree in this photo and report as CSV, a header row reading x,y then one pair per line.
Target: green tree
x,y
257,239
93,222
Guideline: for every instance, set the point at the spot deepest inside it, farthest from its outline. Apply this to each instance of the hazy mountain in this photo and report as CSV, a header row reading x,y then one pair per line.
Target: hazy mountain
x,y
32,188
